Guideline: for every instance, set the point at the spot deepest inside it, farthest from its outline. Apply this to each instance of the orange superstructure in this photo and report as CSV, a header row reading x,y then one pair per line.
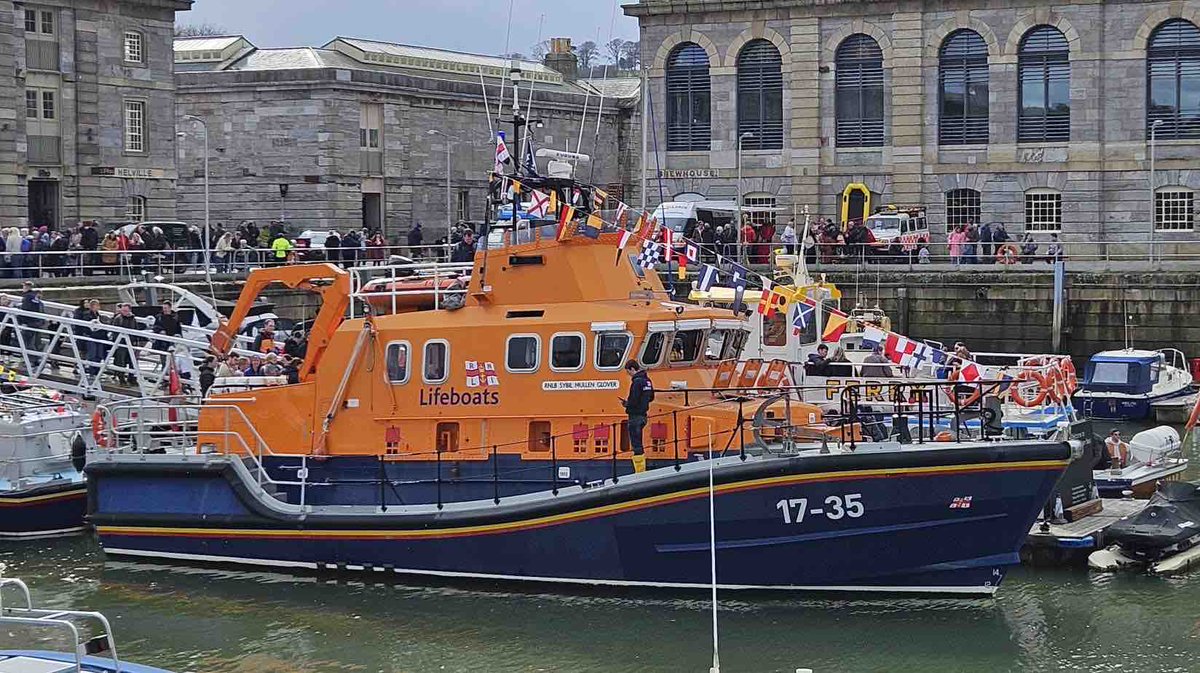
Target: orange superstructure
x,y
531,364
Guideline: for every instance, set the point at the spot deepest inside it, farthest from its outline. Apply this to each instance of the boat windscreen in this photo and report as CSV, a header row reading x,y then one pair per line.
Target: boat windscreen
x,y
1132,378
1111,372
685,347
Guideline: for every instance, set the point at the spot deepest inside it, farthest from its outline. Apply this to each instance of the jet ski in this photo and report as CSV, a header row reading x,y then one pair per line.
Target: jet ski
x,y
1167,530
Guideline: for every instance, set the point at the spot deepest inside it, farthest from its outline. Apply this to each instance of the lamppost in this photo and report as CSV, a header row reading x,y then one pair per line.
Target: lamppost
x,y
738,224
1153,200
207,241
449,220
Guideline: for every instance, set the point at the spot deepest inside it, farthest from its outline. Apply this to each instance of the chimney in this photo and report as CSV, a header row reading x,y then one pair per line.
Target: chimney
x,y
562,59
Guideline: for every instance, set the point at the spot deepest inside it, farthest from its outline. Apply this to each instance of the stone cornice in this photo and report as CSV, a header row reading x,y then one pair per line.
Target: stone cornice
x,y
660,7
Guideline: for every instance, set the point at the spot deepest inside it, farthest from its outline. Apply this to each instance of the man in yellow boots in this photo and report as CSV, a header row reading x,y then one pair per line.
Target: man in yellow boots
x,y
641,394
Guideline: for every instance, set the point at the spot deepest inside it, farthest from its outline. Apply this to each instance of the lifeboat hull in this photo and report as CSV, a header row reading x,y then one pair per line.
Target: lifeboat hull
x,y
43,511
939,519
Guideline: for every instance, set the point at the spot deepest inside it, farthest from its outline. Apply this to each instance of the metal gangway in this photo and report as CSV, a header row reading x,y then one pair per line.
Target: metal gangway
x,y
94,359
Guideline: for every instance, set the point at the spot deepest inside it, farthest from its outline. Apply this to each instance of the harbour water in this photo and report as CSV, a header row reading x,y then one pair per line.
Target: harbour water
x,y
223,621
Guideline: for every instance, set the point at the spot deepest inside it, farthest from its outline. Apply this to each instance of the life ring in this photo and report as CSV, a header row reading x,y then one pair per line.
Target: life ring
x,y
98,430
970,398
1007,254
1052,383
1018,397
1069,377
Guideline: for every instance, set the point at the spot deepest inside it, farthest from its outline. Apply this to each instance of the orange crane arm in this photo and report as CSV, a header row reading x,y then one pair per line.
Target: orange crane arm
x,y
335,299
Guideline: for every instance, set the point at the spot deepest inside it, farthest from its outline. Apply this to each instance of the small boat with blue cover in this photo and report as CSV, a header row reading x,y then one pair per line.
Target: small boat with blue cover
x,y
1123,384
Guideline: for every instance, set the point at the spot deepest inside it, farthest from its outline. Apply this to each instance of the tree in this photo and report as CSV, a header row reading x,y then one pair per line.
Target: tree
x,y
198,30
615,49
586,54
632,55
539,50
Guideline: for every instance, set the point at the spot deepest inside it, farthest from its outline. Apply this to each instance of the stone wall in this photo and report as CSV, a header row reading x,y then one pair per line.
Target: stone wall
x,y
1013,312
92,82
300,127
1102,172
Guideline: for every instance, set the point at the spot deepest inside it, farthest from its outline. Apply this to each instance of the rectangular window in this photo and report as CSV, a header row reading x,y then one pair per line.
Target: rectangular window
x,y
464,205
760,214
962,208
135,126
397,363
775,329
32,110
566,352
134,52
47,22
1174,210
135,210
524,353
370,123
31,23
437,362
611,349
47,105
1043,211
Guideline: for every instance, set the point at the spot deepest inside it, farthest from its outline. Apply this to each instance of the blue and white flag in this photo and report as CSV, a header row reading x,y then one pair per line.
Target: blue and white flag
x,y
802,317
873,336
708,277
738,280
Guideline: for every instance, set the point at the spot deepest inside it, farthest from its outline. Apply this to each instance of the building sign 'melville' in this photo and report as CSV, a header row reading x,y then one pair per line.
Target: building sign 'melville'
x,y
123,172
689,173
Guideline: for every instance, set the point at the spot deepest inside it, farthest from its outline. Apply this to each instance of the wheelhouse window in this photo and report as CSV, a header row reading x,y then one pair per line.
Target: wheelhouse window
x,y
1174,209
858,82
524,353
963,89
397,363
612,349
760,95
566,352
686,345
1110,373
775,329
689,94
436,362
1044,71
1043,210
725,344
962,207
1173,81
652,349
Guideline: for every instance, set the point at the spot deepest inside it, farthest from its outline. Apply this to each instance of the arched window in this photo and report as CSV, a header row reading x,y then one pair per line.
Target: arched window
x,y
1044,69
963,89
1174,209
962,207
1043,210
859,86
1173,80
760,95
689,121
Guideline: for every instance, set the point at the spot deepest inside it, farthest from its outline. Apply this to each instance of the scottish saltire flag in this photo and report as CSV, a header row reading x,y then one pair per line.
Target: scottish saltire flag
x,y
708,277
802,317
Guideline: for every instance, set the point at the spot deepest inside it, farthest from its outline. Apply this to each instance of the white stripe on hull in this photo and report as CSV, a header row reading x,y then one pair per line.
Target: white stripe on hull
x,y
34,534
964,590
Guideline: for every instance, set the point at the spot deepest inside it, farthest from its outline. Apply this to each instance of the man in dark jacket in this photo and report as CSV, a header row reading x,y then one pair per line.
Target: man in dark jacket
x,y
333,247
124,357
416,238
31,301
637,406
464,251
166,323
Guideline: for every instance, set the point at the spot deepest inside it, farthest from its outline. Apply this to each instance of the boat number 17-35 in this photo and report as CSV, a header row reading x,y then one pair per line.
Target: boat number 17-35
x,y
836,507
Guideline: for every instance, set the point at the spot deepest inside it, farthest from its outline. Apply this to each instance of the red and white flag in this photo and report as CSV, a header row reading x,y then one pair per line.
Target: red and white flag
x,y
539,204
503,158
489,372
472,367
970,372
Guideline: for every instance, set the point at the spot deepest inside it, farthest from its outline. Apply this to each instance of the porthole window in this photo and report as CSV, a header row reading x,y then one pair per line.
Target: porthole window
x,y
566,352
397,363
524,353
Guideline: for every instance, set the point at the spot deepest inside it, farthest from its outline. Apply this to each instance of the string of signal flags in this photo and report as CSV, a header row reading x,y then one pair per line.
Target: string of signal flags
x,y
579,215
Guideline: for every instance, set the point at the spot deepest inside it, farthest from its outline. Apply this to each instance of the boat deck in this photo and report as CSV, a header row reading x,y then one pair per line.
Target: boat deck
x,y
1065,542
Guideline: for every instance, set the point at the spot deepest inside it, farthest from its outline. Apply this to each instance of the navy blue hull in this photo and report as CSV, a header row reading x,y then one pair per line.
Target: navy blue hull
x,y
891,521
58,509
1122,409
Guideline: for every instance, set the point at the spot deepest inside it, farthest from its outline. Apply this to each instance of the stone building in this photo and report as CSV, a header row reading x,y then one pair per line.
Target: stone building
x,y
87,126
343,135
1038,115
